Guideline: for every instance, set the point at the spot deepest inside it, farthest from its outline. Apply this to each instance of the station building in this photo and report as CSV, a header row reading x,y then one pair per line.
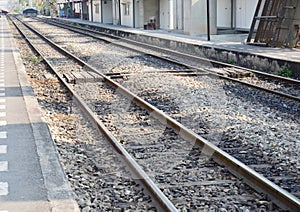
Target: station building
x,y
186,16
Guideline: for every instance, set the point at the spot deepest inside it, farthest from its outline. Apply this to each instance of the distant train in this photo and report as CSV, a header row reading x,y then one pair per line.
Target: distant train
x,y
30,12
3,12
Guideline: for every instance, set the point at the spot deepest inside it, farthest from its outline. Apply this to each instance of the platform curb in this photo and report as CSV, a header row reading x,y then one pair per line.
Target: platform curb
x,y
59,192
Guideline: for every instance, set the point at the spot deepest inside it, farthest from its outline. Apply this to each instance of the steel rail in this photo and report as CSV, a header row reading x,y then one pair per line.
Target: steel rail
x,y
252,178
138,172
206,60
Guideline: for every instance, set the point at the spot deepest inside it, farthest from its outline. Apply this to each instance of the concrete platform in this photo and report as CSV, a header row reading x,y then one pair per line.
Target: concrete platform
x,y
31,176
228,48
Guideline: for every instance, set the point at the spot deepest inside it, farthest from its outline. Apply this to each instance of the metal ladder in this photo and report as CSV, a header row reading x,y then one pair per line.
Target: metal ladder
x,y
277,23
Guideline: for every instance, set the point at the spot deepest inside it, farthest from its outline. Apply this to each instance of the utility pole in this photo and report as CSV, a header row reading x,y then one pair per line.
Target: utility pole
x,y
208,20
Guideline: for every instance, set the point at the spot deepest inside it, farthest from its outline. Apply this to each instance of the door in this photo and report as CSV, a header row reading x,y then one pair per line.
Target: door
x,y
178,16
240,13
164,14
116,13
107,10
224,14
245,10
137,14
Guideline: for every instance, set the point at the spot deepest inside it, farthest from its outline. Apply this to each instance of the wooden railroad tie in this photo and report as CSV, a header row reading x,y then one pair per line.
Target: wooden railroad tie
x,y
82,77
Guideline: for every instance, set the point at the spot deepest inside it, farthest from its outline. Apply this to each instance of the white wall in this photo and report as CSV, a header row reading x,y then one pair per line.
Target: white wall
x,y
245,10
189,15
141,13
242,11
150,9
195,17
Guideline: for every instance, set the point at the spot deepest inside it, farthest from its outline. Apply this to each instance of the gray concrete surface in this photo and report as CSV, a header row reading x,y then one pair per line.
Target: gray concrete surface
x,y
31,176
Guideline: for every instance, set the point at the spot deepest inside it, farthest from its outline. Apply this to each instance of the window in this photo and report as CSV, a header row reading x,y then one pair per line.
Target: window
x,y
126,7
97,8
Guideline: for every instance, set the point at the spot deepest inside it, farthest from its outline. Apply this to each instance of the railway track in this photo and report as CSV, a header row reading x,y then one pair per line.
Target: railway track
x,y
245,151
282,86
57,59
216,153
